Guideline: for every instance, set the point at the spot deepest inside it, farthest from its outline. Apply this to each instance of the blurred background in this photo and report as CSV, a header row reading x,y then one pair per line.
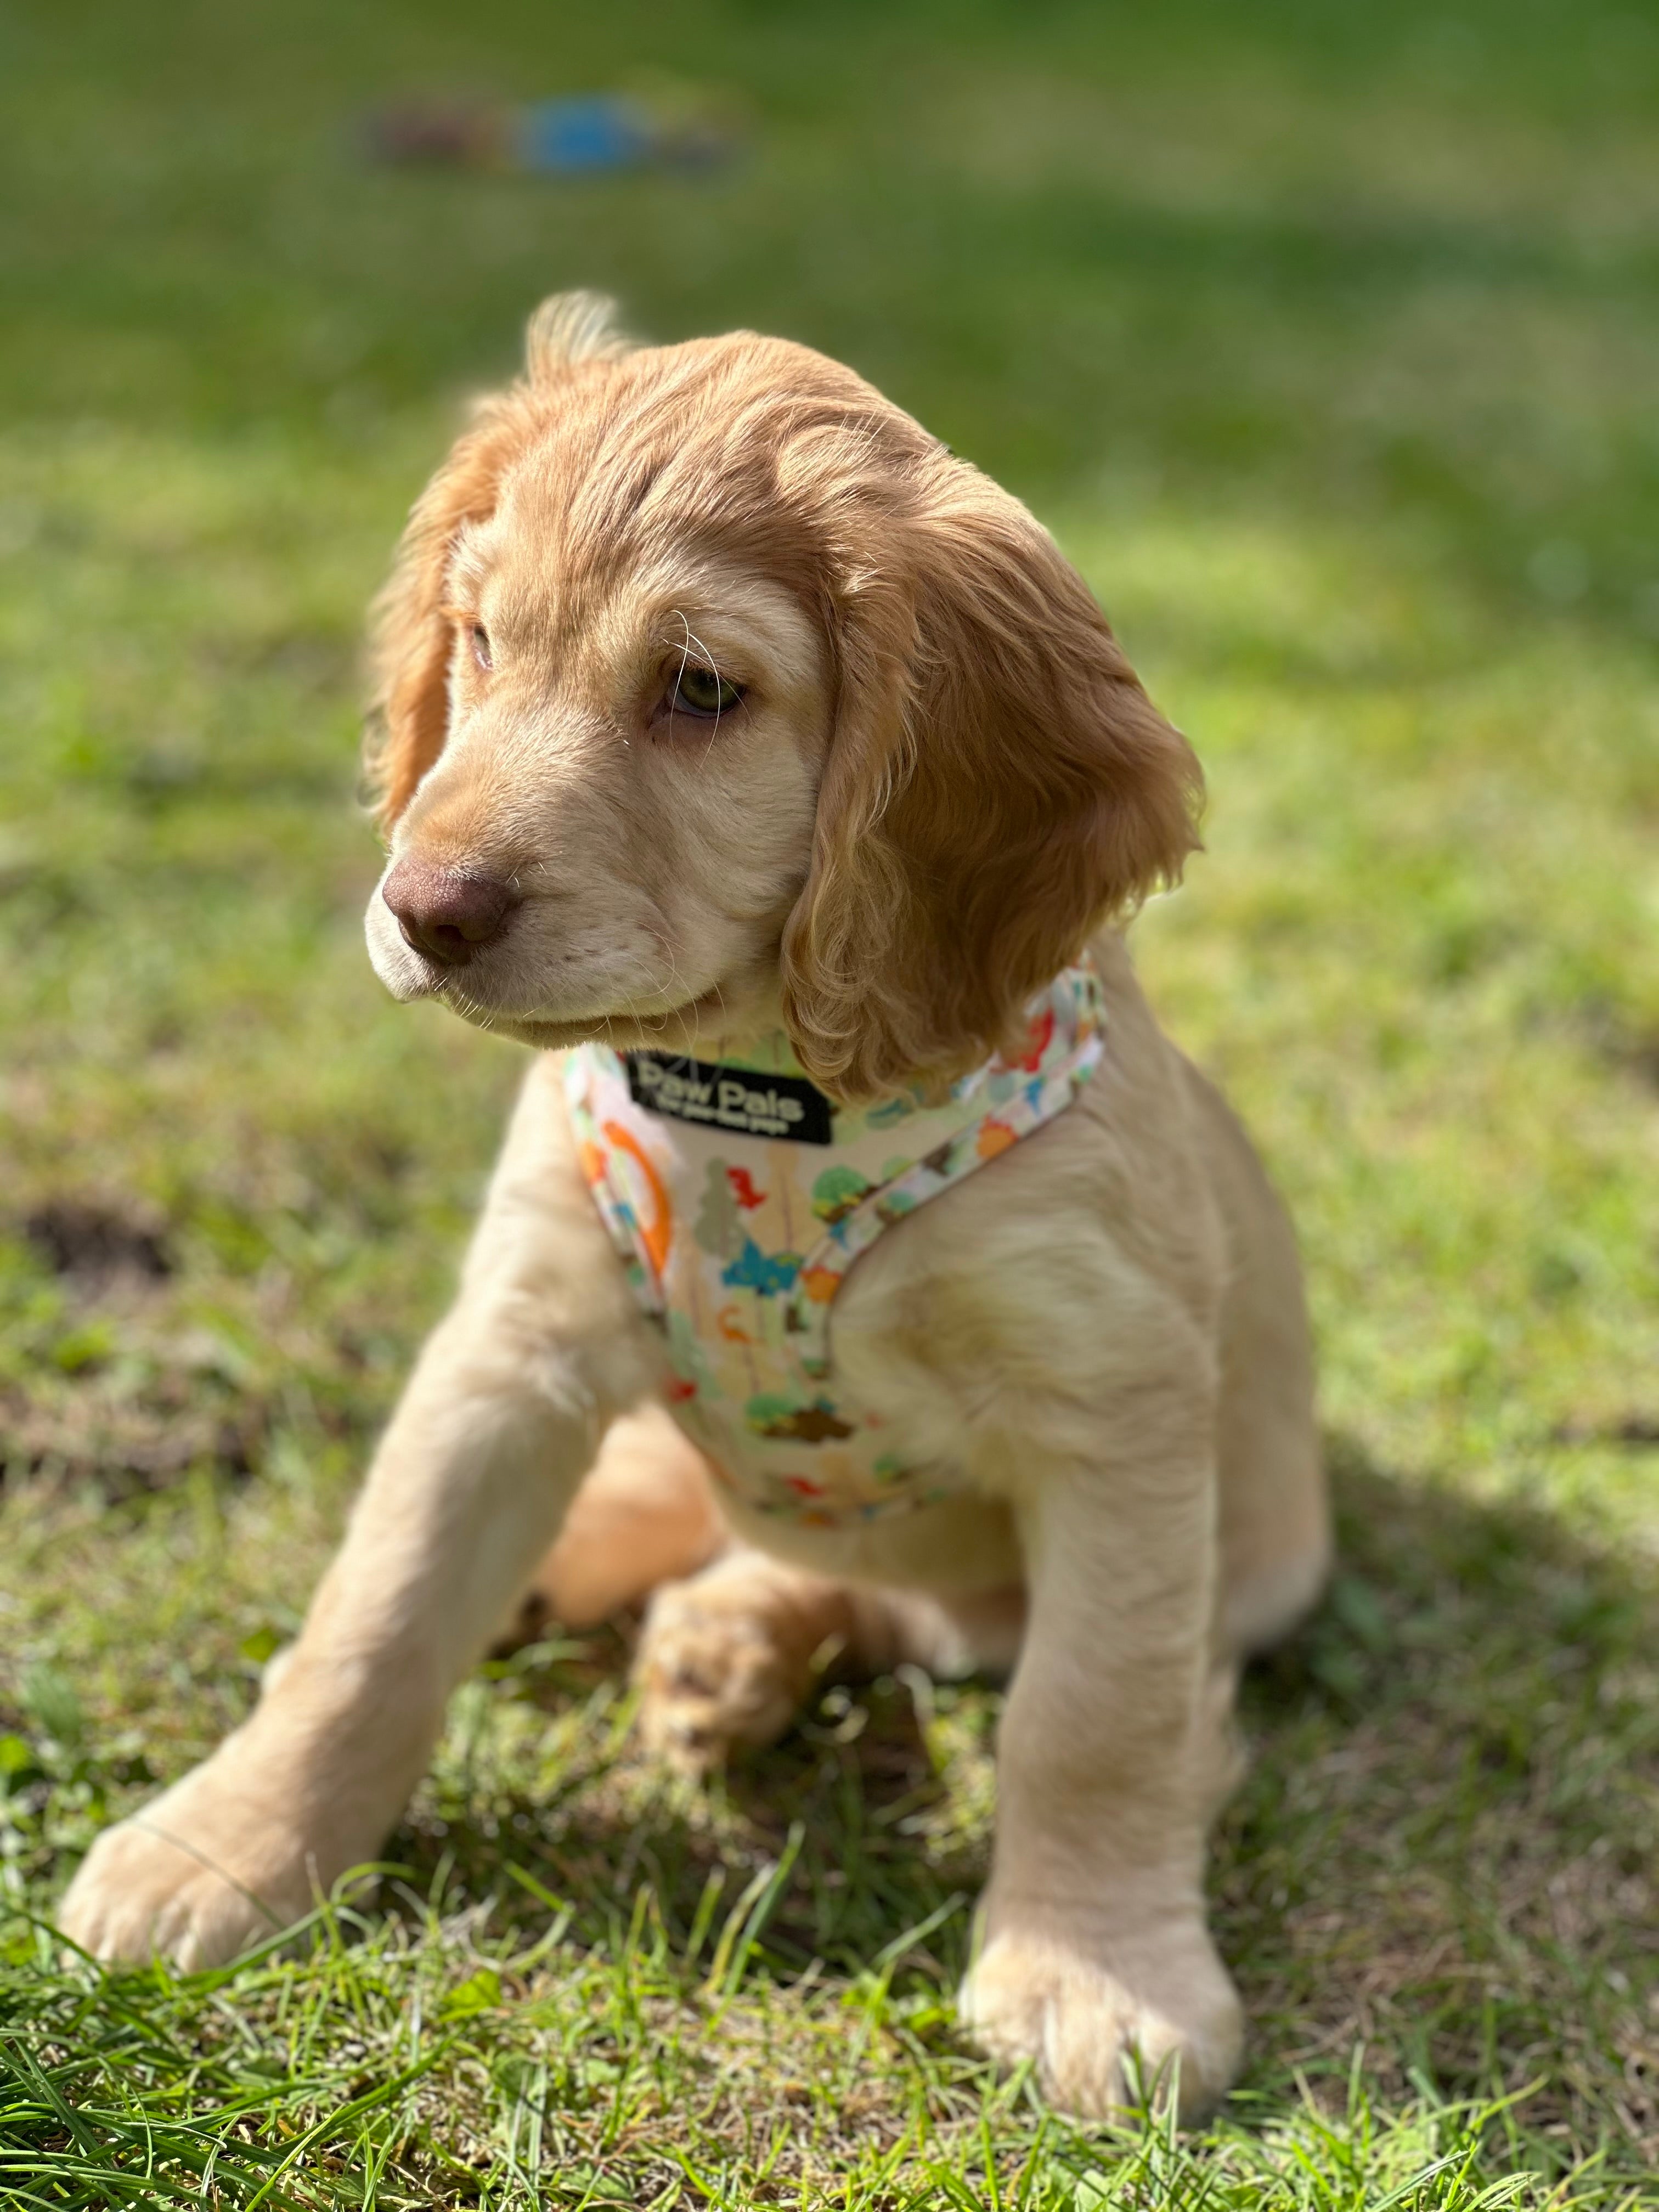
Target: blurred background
x,y
1325,337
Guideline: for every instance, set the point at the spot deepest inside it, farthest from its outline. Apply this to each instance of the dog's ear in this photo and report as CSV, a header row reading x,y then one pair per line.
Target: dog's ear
x,y
410,638
998,784
569,329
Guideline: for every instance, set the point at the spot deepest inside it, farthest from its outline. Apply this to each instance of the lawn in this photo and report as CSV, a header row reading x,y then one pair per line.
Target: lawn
x,y
1324,337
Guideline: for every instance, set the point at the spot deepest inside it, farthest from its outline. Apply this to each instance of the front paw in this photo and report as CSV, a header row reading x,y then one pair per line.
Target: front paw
x,y
197,1876
1080,2013
711,1678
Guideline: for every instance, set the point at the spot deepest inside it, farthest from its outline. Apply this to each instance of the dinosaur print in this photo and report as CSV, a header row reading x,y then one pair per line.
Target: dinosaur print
x,y
737,1244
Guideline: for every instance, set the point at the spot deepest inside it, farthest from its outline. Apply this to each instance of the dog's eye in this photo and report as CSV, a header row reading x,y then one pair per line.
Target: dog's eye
x,y
481,652
700,691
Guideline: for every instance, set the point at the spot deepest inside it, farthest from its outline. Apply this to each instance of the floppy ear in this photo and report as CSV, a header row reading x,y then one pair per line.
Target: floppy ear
x,y
411,640
998,784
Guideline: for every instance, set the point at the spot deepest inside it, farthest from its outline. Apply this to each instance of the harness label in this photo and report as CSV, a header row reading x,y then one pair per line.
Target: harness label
x,y
722,1097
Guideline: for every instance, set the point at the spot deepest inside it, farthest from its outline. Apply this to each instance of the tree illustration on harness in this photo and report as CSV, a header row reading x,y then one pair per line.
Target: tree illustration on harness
x,y
837,1191
769,1414
719,1224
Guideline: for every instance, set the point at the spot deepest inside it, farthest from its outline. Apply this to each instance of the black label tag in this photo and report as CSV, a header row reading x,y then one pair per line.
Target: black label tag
x,y
734,1099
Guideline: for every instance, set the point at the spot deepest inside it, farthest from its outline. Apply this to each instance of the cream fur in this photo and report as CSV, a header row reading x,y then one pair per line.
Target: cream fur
x,y
1100,1337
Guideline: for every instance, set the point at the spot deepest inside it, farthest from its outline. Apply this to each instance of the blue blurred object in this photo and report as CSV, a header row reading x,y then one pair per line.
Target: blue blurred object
x,y
569,137
587,134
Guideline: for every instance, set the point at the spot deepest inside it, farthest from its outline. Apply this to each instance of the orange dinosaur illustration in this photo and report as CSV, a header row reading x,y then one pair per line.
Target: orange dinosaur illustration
x,y
994,1137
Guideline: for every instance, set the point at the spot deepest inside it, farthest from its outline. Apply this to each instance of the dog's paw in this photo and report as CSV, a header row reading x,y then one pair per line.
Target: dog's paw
x,y
196,1877
711,1677
1162,2002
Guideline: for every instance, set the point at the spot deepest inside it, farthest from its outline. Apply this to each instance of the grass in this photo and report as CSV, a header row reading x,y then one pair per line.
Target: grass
x,y
1324,339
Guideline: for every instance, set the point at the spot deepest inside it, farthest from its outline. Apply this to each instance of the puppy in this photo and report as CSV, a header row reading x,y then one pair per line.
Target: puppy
x,y
767,768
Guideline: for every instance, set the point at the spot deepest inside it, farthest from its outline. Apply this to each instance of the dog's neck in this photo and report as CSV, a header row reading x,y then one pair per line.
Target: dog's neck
x,y
744,1029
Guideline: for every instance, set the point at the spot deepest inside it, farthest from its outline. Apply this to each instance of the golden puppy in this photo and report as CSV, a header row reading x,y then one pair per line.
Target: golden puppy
x,y
767,768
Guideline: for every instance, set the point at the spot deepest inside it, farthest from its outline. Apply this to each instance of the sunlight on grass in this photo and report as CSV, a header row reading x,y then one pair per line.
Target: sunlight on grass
x,y
1323,340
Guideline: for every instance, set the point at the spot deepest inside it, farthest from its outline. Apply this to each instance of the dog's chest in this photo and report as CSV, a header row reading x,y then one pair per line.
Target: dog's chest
x,y
740,1199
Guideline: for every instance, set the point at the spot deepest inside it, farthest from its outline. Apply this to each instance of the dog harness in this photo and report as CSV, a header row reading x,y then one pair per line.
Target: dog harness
x,y
738,1197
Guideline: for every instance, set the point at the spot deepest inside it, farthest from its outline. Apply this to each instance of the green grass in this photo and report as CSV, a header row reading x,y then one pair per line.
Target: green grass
x,y
1324,336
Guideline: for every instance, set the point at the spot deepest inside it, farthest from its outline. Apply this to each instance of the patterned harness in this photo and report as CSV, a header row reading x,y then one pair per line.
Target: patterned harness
x,y
739,1196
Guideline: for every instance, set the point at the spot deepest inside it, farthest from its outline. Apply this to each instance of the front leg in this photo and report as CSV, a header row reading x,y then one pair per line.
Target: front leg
x,y
1113,1752
499,1423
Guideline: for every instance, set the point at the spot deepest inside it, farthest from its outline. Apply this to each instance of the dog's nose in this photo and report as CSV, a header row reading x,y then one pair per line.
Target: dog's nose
x,y
447,913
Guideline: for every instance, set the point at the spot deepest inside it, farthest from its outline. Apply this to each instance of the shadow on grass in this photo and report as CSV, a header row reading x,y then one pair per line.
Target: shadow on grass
x,y
859,1797
1442,1852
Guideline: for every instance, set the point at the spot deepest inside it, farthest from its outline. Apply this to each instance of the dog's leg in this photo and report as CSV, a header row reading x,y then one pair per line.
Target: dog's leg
x,y
645,1515
1275,1517
1115,1749
727,1657
499,1423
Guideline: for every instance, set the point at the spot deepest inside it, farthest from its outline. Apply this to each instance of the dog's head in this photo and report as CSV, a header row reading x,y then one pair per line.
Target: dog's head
x,y
712,691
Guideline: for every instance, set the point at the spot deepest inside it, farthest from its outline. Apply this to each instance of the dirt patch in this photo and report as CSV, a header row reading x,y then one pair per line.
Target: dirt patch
x,y
92,1243
126,1441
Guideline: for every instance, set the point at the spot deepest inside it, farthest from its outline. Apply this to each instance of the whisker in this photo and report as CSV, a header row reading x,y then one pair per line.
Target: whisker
x,y
691,639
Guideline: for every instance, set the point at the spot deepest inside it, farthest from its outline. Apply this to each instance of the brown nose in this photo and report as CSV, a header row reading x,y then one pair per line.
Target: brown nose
x,y
445,913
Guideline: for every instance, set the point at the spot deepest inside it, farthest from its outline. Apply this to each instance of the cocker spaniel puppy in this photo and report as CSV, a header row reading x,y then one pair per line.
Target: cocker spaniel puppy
x,y
767,768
